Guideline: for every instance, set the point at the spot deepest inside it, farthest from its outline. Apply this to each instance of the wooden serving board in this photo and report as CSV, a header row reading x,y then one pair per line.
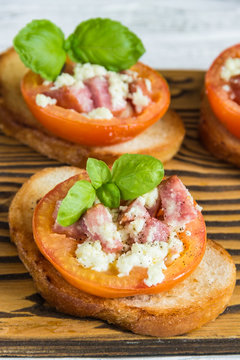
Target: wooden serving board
x,y
28,327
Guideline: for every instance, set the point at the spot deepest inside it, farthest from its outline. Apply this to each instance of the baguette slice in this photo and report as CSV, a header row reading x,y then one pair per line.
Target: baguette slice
x,y
216,138
161,140
198,299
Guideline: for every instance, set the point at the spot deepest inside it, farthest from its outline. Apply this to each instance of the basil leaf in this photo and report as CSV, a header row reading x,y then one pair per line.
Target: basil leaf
x,y
136,174
40,47
79,198
67,48
98,172
105,42
109,195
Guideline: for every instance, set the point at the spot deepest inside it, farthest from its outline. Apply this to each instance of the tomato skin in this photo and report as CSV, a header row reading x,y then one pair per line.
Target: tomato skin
x,y
226,110
73,126
59,250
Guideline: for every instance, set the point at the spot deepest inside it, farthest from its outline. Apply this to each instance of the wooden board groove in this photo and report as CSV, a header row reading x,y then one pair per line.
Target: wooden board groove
x,y
29,327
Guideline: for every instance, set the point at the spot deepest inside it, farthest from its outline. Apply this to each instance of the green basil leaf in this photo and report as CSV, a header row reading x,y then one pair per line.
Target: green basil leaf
x,y
98,172
67,48
109,195
40,47
105,42
79,198
136,174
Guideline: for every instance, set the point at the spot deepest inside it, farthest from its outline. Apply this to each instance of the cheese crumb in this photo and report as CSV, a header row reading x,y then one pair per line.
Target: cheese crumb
x,y
43,100
139,100
175,243
231,68
226,88
64,79
135,227
198,207
148,85
151,198
90,255
146,255
99,113
118,89
87,71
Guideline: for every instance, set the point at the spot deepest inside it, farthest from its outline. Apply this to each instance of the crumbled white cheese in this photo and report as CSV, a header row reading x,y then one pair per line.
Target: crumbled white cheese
x,y
175,243
148,85
133,74
118,89
90,255
151,198
64,79
43,100
99,113
139,100
144,255
87,71
46,82
226,88
188,233
124,234
230,68
198,207
133,228
155,274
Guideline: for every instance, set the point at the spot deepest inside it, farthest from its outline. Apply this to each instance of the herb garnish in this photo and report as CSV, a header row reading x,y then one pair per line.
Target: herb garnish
x,y
42,47
132,175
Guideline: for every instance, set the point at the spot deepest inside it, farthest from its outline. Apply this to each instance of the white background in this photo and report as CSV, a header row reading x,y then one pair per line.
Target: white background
x,y
176,34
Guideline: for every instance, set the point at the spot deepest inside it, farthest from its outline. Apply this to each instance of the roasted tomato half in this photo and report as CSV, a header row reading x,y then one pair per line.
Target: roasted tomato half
x,y
73,126
223,91
60,251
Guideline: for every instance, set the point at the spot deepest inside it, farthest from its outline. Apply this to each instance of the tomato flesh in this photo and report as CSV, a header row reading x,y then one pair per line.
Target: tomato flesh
x,y
73,126
226,109
60,251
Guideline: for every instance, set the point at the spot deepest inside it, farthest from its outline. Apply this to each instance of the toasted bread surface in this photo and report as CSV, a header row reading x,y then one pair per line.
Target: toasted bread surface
x,y
196,300
161,140
216,138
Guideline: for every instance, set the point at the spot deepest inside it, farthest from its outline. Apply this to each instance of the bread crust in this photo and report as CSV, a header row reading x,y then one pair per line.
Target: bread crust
x,y
161,140
216,138
154,315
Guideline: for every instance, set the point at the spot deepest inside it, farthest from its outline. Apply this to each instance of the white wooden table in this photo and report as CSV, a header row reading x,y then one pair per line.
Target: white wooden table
x,y
177,34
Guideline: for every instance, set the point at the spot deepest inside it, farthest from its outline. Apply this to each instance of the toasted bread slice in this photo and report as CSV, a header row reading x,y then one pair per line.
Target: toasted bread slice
x,y
196,300
216,138
161,140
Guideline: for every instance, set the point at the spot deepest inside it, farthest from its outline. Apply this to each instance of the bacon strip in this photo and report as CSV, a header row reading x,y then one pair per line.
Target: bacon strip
x,y
177,203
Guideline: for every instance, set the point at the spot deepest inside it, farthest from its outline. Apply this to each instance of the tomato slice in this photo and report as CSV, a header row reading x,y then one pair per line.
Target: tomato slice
x,y
60,251
226,109
71,125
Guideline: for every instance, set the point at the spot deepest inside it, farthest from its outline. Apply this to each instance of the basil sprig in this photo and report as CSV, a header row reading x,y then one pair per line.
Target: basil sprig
x,y
42,47
132,175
